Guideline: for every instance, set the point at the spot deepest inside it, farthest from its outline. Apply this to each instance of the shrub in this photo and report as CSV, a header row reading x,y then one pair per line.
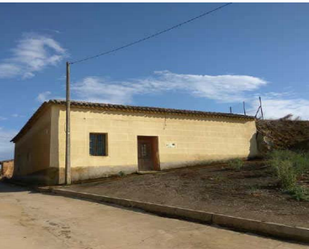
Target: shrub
x,y
236,164
299,193
288,167
121,173
301,163
285,173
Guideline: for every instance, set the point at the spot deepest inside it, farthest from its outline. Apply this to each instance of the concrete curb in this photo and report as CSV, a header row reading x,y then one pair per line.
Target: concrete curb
x,y
236,223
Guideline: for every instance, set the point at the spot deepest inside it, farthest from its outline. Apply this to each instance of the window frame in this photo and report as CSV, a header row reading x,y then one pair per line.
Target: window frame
x,y
105,137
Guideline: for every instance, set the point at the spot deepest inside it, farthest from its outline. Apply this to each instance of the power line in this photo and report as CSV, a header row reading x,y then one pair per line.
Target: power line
x,y
151,36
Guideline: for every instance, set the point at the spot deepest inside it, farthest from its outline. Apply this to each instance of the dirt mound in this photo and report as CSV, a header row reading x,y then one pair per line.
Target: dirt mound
x,y
282,134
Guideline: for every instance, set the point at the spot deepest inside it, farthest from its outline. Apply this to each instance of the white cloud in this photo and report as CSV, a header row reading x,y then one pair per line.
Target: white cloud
x,y
32,54
222,88
100,90
6,147
43,96
16,115
8,70
279,105
53,30
2,118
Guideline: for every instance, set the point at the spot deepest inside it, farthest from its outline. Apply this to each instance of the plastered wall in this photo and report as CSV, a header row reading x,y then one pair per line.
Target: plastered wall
x,y
183,140
32,151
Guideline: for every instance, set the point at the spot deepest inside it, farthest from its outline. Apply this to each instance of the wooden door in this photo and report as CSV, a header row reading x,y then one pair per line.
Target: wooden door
x,y
147,153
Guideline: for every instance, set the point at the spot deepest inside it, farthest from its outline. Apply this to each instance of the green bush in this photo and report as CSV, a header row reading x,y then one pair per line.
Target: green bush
x,y
236,164
121,173
299,193
288,167
285,173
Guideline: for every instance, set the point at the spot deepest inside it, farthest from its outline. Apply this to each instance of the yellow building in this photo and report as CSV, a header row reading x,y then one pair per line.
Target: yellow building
x,y
111,139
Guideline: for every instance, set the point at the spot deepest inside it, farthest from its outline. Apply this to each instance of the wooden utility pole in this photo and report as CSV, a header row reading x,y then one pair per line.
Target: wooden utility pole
x,y
68,135
262,114
244,106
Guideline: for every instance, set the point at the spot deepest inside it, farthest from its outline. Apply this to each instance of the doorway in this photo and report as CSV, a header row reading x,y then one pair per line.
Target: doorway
x,y
148,154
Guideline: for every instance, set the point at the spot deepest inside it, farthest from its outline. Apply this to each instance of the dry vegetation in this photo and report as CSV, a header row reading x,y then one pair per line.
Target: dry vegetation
x,y
252,189
292,171
284,133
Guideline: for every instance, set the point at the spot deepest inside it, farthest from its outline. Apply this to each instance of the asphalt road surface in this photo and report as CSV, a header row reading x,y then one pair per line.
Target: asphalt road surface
x,y
35,221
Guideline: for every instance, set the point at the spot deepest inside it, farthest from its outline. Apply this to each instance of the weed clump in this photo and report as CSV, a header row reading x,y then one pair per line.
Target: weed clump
x,y
299,193
121,173
236,164
289,166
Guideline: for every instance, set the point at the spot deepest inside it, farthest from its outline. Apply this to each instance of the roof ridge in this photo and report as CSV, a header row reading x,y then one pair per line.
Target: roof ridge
x,y
148,108
85,104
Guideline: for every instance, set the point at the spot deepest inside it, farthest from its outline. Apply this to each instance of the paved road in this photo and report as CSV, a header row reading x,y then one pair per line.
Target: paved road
x,y
36,221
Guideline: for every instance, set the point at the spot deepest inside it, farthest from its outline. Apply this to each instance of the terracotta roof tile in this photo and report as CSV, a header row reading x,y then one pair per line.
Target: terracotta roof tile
x,y
145,109
149,109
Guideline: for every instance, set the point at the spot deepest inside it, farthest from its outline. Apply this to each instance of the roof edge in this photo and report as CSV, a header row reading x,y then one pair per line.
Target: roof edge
x,y
82,104
32,119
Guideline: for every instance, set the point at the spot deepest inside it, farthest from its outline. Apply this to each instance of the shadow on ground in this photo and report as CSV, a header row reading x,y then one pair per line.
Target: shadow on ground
x,y
6,187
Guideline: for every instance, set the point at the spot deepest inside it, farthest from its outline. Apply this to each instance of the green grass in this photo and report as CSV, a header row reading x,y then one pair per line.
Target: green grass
x,y
121,173
236,164
289,166
219,178
299,193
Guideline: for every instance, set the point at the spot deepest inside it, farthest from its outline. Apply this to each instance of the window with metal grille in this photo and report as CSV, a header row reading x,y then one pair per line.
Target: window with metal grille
x,y
98,144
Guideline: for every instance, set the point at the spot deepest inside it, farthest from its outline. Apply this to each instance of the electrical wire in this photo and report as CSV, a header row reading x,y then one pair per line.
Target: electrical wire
x,y
151,36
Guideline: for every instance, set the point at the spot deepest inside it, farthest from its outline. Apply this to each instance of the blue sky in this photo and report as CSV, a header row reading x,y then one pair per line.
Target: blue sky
x,y
230,56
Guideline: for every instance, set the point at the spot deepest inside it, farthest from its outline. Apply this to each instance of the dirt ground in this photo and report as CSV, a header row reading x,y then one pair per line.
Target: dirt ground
x,y
31,220
252,192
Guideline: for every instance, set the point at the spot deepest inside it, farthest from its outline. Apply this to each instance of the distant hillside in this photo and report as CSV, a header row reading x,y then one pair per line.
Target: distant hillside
x,y
282,134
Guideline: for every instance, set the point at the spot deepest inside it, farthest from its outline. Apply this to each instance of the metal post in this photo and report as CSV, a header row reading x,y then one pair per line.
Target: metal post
x,y
262,114
244,106
68,136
